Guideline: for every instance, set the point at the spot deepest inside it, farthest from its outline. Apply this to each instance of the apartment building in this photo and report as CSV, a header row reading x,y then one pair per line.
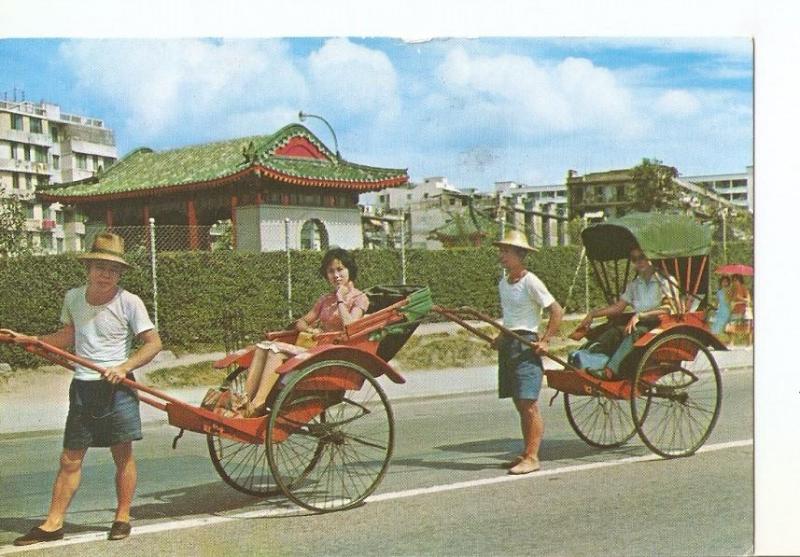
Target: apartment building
x,y
41,146
735,187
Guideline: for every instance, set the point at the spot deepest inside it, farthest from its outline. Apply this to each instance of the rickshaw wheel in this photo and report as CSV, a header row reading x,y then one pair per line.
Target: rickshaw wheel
x,y
243,466
600,421
335,459
677,394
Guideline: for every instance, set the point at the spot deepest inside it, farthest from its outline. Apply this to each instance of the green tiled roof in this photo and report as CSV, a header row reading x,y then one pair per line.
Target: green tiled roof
x,y
145,170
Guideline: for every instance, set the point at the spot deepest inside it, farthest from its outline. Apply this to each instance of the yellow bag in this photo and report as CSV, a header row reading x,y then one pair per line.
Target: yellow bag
x,y
305,339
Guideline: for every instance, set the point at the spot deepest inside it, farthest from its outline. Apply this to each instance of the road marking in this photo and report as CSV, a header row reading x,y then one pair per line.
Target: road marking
x,y
287,509
541,473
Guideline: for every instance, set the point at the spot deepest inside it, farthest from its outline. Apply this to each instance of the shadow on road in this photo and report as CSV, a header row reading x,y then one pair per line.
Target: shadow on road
x,y
504,449
210,498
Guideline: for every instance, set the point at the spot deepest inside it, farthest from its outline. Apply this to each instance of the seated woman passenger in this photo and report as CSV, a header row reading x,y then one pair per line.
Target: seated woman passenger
x,y
332,311
649,295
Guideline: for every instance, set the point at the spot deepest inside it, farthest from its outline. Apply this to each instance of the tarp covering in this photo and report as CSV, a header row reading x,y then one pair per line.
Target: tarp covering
x,y
659,235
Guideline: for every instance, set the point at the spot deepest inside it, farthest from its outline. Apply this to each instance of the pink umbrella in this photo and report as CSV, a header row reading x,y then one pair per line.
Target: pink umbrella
x,y
735,269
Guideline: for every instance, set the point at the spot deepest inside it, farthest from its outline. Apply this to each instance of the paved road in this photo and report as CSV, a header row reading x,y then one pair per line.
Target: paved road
x,y
584,502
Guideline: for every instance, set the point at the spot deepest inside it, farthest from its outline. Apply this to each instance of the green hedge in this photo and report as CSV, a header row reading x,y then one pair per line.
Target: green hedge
x,y
196,289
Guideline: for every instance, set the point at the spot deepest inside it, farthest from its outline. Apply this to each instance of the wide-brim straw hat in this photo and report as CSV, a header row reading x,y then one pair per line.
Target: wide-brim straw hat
x,y
515,239
107,247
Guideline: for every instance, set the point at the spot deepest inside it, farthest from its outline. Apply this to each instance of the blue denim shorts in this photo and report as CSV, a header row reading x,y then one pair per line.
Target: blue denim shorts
x,y
519,368
101,415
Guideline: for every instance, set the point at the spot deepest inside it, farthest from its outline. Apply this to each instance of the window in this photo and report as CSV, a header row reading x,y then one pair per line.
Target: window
x,y
27,152
16,122
53,132
41,181
95,162
56,162
81,161
739,183
28,184
29,211
60,218
36,125
15,180
39,154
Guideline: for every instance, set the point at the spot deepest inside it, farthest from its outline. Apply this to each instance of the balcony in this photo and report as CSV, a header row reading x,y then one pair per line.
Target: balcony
x,y
20,136
30,167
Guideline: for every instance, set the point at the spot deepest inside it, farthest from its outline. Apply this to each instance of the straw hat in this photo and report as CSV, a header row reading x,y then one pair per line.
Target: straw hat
x,y
107,247
515,239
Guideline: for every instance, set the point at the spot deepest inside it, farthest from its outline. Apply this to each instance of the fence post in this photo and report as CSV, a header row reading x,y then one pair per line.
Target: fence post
x,y
403,246
586,270
152,222
288,266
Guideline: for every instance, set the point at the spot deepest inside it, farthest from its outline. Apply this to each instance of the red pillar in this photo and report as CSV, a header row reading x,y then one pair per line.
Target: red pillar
x,y
109,217
191,220
234,203
146,215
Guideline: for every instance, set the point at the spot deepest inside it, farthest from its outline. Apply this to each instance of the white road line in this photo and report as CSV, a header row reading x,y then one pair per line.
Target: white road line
x,y
289,509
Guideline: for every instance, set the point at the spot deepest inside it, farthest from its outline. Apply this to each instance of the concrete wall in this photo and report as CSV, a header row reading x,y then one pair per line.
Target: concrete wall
x,y
262,227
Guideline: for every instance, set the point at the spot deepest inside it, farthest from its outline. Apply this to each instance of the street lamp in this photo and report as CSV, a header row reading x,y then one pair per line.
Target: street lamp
x,y
303,115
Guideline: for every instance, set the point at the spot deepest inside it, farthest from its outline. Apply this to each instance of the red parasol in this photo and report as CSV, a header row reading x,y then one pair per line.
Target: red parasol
x,y
735,269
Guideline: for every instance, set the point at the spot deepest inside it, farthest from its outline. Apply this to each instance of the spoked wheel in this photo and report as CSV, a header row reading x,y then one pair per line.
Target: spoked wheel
x,y
330,436
677,393
600,421
243,466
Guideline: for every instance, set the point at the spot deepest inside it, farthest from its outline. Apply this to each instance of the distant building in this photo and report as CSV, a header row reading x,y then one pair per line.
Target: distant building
x,y
531,196
735,187
287,187
40,146
608,193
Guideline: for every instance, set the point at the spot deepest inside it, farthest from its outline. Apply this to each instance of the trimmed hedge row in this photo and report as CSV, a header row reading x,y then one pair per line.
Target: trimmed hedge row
x,y
197,289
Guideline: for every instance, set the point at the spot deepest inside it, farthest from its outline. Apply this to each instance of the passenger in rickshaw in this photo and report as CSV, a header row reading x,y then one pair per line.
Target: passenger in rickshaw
x,y
649,294
332,311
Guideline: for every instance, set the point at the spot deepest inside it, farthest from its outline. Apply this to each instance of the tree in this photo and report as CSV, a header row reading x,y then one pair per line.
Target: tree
x,y
653,186
12,226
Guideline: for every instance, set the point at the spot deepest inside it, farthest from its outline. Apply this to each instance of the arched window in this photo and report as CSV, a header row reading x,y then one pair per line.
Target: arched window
x,y
313,235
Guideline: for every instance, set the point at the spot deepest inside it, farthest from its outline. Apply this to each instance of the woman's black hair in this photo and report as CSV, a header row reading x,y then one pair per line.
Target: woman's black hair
x,y
724,277
740,277
342,255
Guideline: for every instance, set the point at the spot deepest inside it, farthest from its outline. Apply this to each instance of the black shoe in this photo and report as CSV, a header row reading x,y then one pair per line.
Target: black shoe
x,y
119,530
37,535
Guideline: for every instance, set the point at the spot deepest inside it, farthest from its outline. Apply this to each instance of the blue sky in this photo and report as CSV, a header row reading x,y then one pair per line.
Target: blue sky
x,y
474,110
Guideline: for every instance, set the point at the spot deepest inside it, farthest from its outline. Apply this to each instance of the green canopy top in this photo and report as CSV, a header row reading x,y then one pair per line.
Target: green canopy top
x,y
658,235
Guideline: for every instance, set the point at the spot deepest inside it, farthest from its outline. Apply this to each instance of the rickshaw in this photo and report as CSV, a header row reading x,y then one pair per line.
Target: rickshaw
x,y
668,389
328,436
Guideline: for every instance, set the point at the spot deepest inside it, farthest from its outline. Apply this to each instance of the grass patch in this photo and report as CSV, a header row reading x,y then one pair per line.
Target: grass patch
x,y
201,374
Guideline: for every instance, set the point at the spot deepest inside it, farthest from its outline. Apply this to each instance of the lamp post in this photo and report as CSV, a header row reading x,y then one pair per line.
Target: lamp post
x,y
303,115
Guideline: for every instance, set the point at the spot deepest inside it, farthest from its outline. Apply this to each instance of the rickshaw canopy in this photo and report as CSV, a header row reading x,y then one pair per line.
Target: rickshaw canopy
x,y
658,235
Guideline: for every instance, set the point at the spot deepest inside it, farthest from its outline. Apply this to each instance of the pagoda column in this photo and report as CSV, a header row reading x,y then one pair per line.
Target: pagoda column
x,y
109,217
234,203
191,220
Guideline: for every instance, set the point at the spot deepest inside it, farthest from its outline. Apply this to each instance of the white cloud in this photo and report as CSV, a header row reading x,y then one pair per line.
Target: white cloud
x,y
356,79
564,97
164,84
678,102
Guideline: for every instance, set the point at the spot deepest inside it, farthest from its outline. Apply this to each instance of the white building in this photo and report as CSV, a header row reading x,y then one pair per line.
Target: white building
x,y
40,145
555,194
403,197
735,187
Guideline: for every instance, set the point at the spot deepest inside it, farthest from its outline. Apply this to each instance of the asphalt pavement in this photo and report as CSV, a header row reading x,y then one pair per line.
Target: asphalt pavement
x,y
444,493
